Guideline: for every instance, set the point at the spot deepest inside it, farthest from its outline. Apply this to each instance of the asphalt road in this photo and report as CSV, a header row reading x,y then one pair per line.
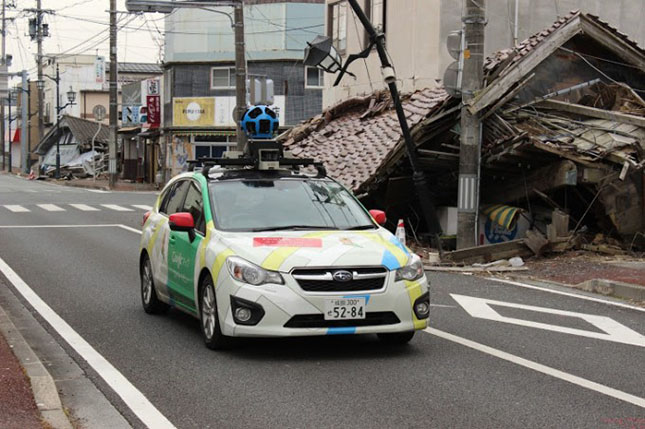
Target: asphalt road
x,y
514,374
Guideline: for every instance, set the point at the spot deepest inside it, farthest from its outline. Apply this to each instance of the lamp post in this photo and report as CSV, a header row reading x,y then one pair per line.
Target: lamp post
x,y
320,53
71,98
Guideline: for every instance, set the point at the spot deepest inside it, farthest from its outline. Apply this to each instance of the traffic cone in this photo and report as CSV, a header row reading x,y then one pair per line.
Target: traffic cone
x,y
400,231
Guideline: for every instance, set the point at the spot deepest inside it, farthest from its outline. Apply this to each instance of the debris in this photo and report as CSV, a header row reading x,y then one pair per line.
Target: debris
x,y
516,262
536,241
489,252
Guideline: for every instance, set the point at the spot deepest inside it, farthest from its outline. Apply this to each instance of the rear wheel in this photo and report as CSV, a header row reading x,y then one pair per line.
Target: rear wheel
x,y
396,338
213,337
149,299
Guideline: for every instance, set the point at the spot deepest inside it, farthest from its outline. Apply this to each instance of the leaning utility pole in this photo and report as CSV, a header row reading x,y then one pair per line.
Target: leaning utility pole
x,y
39,62
112,144
240,73
470,144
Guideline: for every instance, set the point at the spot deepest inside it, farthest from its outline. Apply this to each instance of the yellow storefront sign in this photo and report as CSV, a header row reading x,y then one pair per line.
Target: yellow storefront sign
x,y
193,111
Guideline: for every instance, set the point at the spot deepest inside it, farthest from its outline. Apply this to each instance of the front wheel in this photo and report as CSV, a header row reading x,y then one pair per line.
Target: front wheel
x,y
213,337
149,299
397,338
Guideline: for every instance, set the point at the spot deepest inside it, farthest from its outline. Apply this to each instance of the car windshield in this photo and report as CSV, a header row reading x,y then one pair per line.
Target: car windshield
x,y
285,204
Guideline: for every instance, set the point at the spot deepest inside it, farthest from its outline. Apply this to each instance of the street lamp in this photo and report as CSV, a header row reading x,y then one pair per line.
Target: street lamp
x,y
71,97
320,53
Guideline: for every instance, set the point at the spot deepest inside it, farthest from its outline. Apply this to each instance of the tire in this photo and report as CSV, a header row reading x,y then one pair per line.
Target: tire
x,y
208,316
149,300
397,338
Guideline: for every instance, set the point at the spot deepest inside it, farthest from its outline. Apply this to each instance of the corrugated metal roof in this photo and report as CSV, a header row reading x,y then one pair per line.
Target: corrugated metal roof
x,y
143,68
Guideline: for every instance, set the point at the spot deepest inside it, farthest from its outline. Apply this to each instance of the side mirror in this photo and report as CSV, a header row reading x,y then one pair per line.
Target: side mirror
x,y
183,221
379,216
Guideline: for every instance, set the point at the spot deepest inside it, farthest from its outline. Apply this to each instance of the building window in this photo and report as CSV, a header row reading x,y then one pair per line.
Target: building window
x,y
213,146
376,12
337,25
314,77
222,77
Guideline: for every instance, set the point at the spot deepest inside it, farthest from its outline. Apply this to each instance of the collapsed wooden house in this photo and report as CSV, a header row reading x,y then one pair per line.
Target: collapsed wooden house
x,y
563,127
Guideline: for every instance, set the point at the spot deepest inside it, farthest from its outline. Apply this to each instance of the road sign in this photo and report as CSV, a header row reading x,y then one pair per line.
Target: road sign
x,y
99,112
611,330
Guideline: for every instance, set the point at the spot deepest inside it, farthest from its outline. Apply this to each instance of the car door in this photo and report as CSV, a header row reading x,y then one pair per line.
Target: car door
x,y
182,251
174,204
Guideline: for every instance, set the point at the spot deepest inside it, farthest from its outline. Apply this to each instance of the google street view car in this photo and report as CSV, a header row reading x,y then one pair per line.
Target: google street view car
x,y
256,246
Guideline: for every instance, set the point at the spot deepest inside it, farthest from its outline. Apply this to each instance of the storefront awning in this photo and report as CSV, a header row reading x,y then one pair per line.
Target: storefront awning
x,y
504,216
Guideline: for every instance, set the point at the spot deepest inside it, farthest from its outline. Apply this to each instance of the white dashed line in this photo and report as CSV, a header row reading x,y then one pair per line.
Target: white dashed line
x,y
117,208
16,208
142,207
51,207
84,207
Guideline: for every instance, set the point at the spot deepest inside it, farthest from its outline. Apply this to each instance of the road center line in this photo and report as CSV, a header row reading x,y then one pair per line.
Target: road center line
x,y
100,225
574,295
132,397
565,376
129,228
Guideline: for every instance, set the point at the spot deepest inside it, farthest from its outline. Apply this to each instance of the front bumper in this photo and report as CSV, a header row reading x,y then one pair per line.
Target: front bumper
x,y
290,311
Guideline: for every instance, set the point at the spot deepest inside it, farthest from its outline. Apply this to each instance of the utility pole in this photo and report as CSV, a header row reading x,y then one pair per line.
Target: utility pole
x,y
24,104
470,144
39,62
3,61
112,144
240,73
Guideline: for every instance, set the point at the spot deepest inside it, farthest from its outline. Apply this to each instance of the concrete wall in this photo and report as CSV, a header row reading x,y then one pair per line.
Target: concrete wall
x,y
412,42
534,15
417,29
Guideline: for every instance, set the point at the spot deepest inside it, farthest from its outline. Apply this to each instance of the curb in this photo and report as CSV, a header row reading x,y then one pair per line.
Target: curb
x,y
618,290
42,383
614,288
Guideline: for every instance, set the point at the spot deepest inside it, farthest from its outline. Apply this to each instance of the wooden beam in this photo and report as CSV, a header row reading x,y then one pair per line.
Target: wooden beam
x,y
556,175
613,43
593,112
489,252
518,71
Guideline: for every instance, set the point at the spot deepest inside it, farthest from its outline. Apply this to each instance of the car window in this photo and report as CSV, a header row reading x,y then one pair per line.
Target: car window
x,y
194,205
255,205
176,197
164,199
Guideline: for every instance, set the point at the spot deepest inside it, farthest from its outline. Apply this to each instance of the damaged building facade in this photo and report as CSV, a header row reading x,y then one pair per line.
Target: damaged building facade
x,y
563,129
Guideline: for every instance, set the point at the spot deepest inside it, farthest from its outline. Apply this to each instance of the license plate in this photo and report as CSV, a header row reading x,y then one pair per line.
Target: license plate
x,y
345,308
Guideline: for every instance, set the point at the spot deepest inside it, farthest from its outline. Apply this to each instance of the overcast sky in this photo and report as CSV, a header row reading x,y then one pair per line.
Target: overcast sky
x,y
81,26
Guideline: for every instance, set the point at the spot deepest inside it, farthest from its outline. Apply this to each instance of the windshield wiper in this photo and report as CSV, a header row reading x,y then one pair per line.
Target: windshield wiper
x,y
353,228
293,227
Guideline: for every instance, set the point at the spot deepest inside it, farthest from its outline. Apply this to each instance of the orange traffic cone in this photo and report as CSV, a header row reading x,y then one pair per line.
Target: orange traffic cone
x,y
400,231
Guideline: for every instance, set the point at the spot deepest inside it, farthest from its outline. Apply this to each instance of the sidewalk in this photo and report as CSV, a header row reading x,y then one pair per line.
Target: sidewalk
x,y
28,394
88,183
619,276
17,407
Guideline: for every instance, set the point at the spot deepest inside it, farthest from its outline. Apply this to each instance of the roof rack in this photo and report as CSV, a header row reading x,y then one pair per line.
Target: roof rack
x,y
263,155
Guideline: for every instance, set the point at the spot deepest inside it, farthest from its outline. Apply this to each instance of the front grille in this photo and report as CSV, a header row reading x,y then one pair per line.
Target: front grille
x,y
321,280
318,321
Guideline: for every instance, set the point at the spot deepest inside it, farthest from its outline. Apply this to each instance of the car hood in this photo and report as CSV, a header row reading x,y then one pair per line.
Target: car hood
x,y
285,250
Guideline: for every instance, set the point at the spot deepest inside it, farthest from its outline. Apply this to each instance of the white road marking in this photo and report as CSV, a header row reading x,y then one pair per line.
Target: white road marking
x,y
613,331
117,208
443,306
51,207
128,228
588,384
84,207
16,208
132,397
574,295
98,191
142,207
100,225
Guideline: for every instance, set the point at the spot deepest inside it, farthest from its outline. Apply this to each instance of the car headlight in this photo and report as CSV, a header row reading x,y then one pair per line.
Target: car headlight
x,y
252,274
412,271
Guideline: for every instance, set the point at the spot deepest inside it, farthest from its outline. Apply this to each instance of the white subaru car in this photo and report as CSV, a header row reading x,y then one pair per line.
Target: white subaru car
x,y
266,254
